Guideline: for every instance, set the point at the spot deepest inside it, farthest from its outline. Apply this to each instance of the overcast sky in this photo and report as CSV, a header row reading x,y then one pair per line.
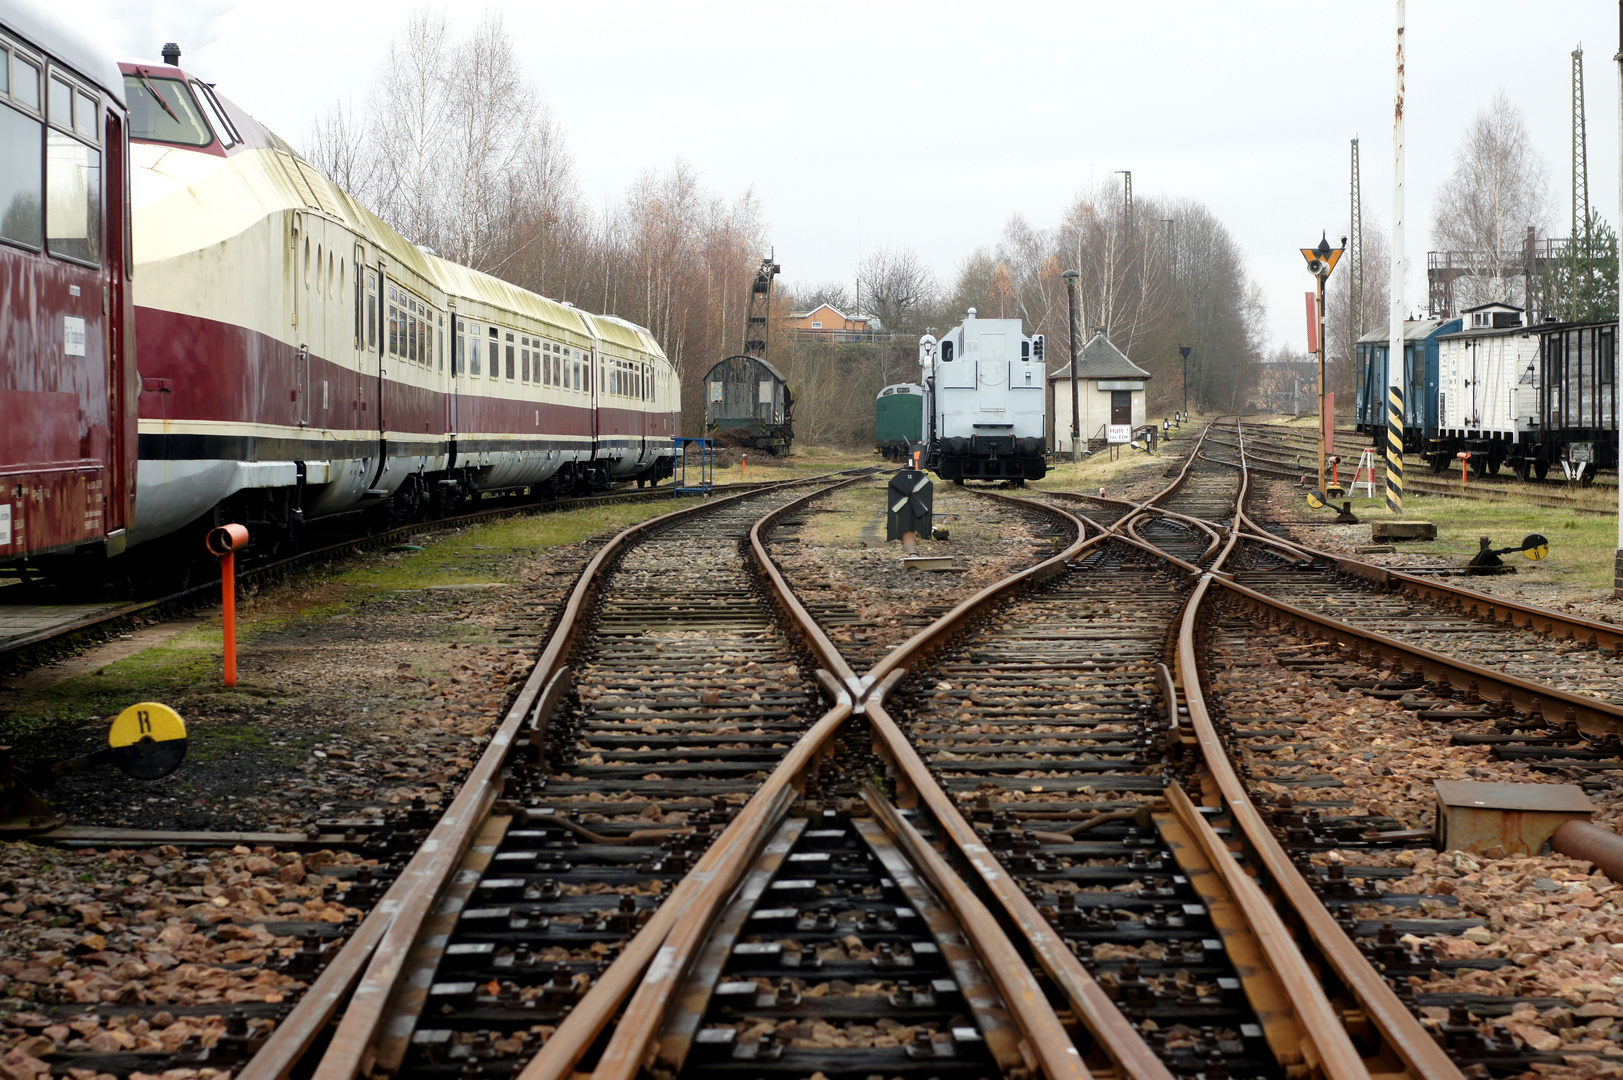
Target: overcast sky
x,y
929,124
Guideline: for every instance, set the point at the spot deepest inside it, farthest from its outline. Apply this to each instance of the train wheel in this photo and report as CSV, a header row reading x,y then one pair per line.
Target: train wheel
x,y
1541,469
1438,462
1523,469
1479,465
1493,467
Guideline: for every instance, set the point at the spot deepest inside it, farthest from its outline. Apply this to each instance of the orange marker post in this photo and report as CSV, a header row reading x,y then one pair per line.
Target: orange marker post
x,y
225,542
744,466
1465,466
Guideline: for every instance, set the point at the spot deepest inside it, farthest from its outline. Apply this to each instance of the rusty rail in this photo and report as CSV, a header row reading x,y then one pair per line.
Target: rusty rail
x,y
364,972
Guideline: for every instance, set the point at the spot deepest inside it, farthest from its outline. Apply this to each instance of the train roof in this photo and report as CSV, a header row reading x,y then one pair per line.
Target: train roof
x,y
775,373
901,388
459,280
624,332
64,43
1413,330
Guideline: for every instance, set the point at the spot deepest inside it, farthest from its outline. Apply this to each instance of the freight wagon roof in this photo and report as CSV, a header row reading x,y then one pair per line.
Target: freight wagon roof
x,y
1413,330
1102,360
65,43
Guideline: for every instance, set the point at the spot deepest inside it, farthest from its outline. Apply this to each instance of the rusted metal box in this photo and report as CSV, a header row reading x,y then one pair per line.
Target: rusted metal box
x,y
1474,815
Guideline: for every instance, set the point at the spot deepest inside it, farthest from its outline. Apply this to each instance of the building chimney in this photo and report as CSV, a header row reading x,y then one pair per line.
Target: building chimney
x,y
171,54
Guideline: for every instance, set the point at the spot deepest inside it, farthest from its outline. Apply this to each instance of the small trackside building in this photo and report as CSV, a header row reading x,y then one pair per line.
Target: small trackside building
x,y
1111,393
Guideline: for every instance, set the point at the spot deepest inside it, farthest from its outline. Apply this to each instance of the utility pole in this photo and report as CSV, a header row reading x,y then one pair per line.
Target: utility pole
x,y
1070,277
1617,563
1355,256
1183,351
1394,352
1128,173
1578,247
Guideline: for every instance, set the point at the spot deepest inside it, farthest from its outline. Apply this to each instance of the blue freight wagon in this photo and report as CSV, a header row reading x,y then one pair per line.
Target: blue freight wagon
x,y
1420,380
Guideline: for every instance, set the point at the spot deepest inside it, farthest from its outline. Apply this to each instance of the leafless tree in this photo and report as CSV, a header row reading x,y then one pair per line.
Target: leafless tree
x,y
1496,192
833,293
895,287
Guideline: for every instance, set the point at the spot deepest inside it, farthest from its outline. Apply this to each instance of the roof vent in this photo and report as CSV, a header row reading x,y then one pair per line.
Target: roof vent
x,y
971,313
171,54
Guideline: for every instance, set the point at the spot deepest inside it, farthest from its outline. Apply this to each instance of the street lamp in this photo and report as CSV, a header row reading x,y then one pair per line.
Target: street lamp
x,y
1320,261
1070,277
1184,351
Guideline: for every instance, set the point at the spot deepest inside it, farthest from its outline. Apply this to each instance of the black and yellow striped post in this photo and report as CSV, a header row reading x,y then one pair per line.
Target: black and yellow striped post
x,y
1394,449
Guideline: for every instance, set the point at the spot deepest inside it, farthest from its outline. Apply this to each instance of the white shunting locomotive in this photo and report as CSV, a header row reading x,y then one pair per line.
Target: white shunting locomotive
x,y
985,380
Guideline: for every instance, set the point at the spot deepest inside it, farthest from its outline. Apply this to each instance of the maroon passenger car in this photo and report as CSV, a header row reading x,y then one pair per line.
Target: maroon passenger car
x,y
67,372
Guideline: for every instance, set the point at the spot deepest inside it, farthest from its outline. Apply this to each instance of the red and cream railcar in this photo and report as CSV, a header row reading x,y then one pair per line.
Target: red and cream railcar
x,y
299,358
67,365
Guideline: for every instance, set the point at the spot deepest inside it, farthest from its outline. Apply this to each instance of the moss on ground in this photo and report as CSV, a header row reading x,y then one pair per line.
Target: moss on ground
x,y
1581,545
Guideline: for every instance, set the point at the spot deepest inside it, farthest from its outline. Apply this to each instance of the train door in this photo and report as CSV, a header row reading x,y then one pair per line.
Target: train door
x,y
301,386
121,402
594,363
645,397
371,377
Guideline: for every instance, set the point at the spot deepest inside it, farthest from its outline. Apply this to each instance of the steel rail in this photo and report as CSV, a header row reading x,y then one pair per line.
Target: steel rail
x,y
1325,1027
1513,613
1046,1043
1399,1030
209,589
363,973
634,1046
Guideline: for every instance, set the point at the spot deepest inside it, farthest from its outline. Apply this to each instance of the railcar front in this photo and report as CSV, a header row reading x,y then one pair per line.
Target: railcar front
x,y
898,420
986,381
291,344
67,363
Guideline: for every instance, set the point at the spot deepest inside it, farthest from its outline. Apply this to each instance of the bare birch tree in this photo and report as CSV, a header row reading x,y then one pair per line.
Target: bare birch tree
x,y
1495,194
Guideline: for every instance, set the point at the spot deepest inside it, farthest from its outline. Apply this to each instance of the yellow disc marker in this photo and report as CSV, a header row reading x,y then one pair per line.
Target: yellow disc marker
x,y
1535,547
148,740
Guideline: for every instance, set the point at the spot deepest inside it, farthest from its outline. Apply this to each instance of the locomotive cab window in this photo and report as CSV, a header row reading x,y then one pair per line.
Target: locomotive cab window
x,y
946,352
163,110
511,364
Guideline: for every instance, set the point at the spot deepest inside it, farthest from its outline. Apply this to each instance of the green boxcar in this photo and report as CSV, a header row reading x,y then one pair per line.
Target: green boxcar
x,y
899,420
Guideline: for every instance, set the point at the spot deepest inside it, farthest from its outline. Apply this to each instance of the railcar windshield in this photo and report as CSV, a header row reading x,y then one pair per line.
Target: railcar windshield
x,y
163,110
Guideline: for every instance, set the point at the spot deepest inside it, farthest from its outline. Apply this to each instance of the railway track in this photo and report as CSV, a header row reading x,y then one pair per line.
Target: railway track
x,y
32,626
1007,848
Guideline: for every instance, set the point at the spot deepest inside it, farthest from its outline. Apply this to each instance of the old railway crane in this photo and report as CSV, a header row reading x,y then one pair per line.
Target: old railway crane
x,y
747,400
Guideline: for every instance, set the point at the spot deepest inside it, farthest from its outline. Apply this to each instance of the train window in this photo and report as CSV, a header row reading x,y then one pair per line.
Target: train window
x,y
493,354
61,112
318,271
22,154
84,117
222,126
441,343
72,199
524,363
24,81
163,110
394,326
512,364
332,282
946,352
411,337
